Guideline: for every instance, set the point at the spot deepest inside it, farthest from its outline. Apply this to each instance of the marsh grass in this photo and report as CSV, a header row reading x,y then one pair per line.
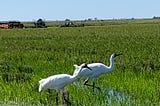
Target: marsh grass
x,y
33,54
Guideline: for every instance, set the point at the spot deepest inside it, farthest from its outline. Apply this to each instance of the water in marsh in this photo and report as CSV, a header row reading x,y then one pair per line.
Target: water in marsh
x,y
108,95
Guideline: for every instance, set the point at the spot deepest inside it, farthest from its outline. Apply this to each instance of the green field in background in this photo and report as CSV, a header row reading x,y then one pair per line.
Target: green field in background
x,y
27,55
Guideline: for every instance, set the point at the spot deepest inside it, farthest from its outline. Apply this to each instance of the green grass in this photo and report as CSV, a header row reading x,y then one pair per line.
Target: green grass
x,y
27,55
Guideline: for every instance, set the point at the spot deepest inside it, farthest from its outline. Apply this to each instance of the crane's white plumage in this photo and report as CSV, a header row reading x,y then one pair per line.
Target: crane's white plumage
x,y
97,69
58,82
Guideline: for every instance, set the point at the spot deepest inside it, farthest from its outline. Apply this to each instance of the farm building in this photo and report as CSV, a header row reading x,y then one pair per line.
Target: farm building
x,y
15,24
11,24
4,25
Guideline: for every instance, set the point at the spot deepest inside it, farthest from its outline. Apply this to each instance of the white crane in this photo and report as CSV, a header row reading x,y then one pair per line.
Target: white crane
x,y
97,70
58,82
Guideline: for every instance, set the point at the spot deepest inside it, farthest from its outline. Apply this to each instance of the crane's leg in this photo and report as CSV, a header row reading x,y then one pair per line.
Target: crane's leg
x,y
57,98
49,96
93,86
64,100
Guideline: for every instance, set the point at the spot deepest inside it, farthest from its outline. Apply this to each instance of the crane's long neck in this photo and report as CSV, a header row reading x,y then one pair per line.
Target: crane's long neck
x,y
76,75
111,66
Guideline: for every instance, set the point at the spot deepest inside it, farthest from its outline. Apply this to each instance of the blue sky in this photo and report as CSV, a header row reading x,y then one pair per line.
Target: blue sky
x,y
29,10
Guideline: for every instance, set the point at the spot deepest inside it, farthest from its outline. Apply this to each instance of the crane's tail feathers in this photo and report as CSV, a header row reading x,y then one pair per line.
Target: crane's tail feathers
x,y
76,69
76,66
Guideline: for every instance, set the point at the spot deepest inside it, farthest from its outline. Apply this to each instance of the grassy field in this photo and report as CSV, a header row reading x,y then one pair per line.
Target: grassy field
x,y
27,55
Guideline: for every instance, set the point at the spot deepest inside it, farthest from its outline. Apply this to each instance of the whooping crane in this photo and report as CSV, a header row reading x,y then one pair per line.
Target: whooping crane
x,y
97,70
58,82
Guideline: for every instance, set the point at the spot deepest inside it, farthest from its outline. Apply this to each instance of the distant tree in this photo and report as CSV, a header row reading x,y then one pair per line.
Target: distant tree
x,y
95,19
156,17
67,20
89,19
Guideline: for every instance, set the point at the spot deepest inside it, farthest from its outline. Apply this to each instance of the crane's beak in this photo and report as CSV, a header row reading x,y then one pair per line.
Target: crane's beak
x,y
117,55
